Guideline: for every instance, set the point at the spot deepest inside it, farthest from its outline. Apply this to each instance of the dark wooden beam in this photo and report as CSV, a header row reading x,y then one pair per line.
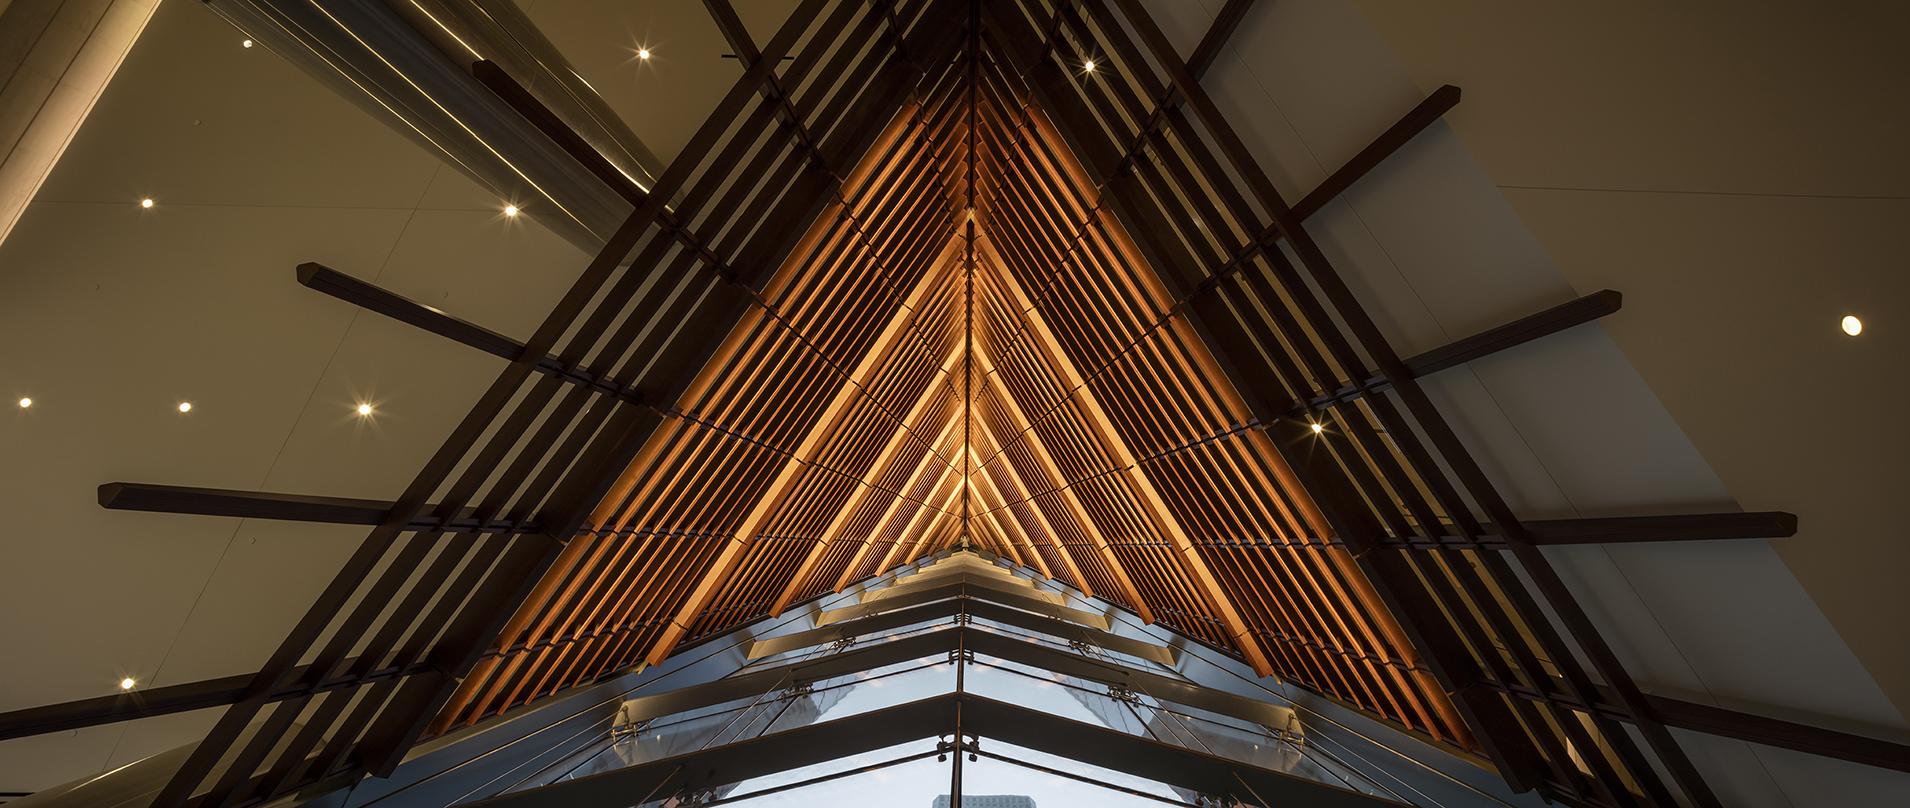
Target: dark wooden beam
x,y
322,278
1485,343
1739,725
149,702
1415,121
1518,332
1682,527
302,508
288,507
364,295
1218,33
122,707
1781,734
1622,530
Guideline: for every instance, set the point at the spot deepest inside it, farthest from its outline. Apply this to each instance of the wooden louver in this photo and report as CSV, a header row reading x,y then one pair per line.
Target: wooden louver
x,y
932,282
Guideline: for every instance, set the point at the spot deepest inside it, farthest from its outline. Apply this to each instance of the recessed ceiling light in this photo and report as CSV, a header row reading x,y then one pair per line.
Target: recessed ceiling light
x,y
185,406
1318,427
25,402
246,44
127,683
1088,66
364,409
510,210
1852,325
644,54
146,203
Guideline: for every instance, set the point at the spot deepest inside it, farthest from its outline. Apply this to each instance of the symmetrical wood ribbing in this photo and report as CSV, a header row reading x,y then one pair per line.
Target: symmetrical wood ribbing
x,y
1186,190
934,281
539,450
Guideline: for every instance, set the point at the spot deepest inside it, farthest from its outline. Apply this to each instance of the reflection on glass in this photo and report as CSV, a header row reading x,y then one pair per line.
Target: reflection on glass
x,y
892,777
914,782
694,730
998,772
1064,642
1143,715
863,641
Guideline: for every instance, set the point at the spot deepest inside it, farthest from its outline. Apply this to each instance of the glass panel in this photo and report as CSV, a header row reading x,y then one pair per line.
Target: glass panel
x,y
1062,642
994,775
1079,700
875,689
694,730
1051,693
910,782
825,649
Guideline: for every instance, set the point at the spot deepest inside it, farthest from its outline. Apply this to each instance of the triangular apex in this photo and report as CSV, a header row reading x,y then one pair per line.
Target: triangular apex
x,y
969,347
887,689
991,275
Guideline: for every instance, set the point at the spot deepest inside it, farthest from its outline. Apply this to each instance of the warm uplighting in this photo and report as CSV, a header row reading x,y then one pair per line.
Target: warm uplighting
x,y
185,406
364,409
246,44
25,402
1317,427
1852,325
511,211
127,683
1088,66
644,54
146,203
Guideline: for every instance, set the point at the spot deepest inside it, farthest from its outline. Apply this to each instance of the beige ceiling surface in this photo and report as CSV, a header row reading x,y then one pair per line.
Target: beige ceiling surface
x,y
666,98
110,315
1737,169
1575,424
1773,206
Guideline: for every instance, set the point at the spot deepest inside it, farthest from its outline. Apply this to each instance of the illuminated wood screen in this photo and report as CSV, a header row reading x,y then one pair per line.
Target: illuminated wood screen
x,y
990,273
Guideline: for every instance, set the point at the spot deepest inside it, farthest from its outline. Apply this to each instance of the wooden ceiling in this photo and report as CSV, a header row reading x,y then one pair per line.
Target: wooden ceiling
x,y
990,272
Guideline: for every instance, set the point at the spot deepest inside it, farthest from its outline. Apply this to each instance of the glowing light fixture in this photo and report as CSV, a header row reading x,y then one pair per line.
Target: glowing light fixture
x,y
511,211
25,402
644,54
1317,427
146,203
246,44
127,683
1088,66
185,406
364,409
1852,325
